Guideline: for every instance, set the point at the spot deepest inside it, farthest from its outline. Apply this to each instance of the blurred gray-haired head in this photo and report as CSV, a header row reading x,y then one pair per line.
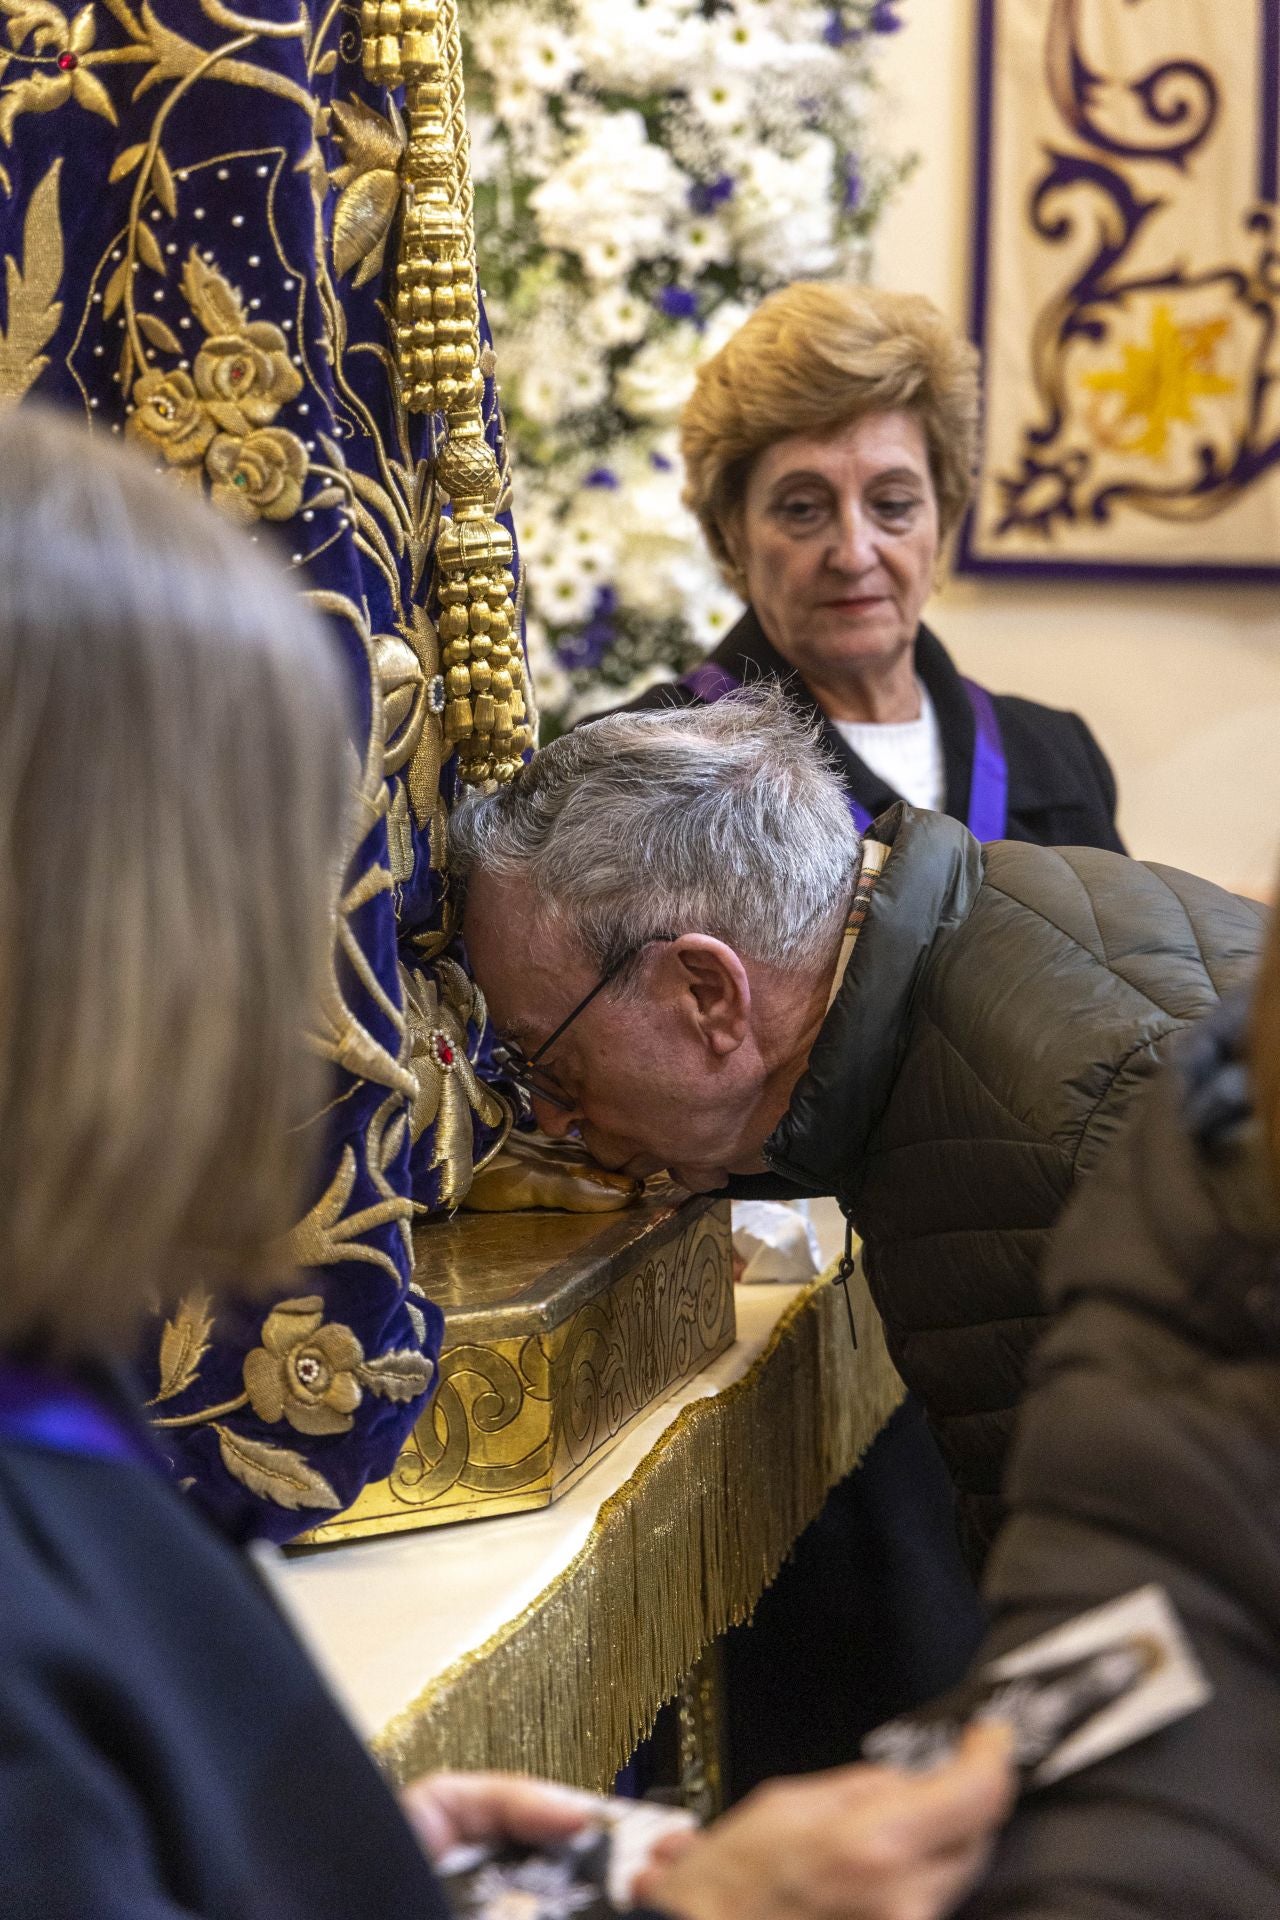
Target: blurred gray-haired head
x,y
727,820
175,780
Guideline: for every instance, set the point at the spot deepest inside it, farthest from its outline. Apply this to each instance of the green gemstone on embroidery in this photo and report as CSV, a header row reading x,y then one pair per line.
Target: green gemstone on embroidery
x,y
239,479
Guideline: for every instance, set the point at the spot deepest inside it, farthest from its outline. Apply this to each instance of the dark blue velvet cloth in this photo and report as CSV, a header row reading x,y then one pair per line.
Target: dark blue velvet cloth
x,y
198,204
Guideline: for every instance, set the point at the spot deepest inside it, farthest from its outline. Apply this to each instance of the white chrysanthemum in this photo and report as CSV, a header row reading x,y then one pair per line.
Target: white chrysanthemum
x,y
704,242
782,213
742,38
613,197
722,99
658,379
563,593
547,57
639,49
615,318
713,613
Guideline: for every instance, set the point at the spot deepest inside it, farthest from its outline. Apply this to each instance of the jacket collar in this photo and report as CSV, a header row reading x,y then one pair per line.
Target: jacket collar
x,y
748,655
928,886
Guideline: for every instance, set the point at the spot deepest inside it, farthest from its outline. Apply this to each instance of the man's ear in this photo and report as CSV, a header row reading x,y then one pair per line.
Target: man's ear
x,y
715,989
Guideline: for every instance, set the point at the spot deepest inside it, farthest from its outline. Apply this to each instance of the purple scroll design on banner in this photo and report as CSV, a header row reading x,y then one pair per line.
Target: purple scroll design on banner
x,y
1053,479
1180,99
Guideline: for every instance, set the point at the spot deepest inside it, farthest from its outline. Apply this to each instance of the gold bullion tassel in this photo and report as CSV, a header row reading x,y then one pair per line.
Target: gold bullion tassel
x,y
416,44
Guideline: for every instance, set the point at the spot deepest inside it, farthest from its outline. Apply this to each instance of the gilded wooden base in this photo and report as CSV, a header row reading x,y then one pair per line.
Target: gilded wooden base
x,y
560,1331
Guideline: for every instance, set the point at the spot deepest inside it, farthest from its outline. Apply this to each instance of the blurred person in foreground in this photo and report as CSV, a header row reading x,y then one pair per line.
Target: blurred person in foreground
x,y
173,732
707,968
829,449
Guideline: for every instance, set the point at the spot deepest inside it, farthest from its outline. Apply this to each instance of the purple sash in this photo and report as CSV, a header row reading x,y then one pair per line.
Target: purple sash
x,y
42,1410
988,782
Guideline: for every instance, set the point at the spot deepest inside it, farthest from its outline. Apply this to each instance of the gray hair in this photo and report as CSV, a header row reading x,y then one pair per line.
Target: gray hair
x,y
727,820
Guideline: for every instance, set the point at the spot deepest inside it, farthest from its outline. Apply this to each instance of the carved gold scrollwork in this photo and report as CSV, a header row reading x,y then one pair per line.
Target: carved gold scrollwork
x,y
415,44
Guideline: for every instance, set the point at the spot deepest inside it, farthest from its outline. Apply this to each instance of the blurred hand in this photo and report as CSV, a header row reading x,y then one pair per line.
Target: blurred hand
x,y
860,1843
448,1809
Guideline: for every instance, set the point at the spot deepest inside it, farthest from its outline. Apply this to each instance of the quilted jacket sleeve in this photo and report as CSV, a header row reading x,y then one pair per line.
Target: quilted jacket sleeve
x,y
1149,1452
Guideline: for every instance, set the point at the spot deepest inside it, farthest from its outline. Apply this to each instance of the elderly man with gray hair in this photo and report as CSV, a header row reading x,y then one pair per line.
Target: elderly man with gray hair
x,y
703,966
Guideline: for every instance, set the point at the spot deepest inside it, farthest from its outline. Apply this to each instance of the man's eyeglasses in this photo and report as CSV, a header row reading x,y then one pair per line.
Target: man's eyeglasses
x,y
524,1069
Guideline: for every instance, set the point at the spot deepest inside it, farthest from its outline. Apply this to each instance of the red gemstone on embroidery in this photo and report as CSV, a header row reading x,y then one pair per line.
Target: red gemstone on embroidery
x,y
68,62
443,1051
237,373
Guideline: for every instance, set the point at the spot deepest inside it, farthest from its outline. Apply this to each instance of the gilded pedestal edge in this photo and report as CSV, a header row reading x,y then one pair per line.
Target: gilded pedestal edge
x,y
517,1419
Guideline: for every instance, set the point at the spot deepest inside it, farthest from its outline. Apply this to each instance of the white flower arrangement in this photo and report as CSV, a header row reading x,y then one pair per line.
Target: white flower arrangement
x,y
645,171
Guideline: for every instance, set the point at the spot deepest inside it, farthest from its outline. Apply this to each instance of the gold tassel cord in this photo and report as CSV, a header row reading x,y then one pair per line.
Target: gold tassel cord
x,y
569,1687
416,44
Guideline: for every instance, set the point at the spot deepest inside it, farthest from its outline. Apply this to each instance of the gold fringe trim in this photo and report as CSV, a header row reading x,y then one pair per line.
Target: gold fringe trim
x,y
567,1688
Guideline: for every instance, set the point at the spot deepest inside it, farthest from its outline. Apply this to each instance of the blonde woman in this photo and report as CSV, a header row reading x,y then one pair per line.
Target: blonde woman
x,y
829,450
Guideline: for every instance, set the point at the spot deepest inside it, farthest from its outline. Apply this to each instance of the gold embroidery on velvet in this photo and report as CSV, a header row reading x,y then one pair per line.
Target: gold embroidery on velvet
x,y
32,288
219,416
184,1342
448,1088
215,422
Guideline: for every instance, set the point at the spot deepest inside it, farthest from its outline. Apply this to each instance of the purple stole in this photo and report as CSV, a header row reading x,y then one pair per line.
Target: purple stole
x,y
988,783
46,1410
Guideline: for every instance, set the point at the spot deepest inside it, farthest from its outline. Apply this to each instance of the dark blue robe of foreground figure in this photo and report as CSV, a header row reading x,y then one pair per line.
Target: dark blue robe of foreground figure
x,y
166,1749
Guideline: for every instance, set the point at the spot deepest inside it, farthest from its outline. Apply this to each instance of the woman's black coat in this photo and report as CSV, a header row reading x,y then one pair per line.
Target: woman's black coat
x,y
1062,793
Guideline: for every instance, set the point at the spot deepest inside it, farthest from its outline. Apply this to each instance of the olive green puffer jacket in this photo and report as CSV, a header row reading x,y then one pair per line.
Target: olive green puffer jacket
x,y
1001,1006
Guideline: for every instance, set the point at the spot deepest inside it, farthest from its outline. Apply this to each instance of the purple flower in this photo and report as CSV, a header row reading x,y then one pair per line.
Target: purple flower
x,y
587,645
884,19
661,462
706,195
678,303
836,33
852,184
602,477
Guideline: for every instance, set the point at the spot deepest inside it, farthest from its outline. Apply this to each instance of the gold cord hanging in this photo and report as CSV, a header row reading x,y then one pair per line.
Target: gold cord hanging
x,y
417,45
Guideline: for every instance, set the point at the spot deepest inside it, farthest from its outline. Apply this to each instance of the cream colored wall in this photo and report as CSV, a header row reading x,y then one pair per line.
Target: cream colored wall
x,y
1181,684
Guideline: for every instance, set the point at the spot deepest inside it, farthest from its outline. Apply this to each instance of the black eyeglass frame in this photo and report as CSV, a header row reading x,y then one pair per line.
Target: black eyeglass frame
x,y
522,1066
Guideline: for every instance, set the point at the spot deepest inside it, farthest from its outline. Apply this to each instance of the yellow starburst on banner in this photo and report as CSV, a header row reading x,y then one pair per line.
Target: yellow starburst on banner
x,y
1161,382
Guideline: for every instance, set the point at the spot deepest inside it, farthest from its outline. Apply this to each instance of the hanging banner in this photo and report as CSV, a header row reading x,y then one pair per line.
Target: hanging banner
x,y
1126,282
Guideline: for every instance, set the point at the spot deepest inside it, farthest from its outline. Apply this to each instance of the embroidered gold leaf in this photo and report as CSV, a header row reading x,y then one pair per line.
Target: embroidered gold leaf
x,y
162,181
39,17
361,222
126,161
328,497
34,309
399,1376
327,62
228,416
158,334
366,139
41,94
212,299
274,1473
89,92
115,290
83,30
149,249
183,1345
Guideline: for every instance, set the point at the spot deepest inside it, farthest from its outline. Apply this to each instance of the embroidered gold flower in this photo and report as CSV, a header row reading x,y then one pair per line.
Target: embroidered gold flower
x,y
169,415
260,476
305,1371
250,369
